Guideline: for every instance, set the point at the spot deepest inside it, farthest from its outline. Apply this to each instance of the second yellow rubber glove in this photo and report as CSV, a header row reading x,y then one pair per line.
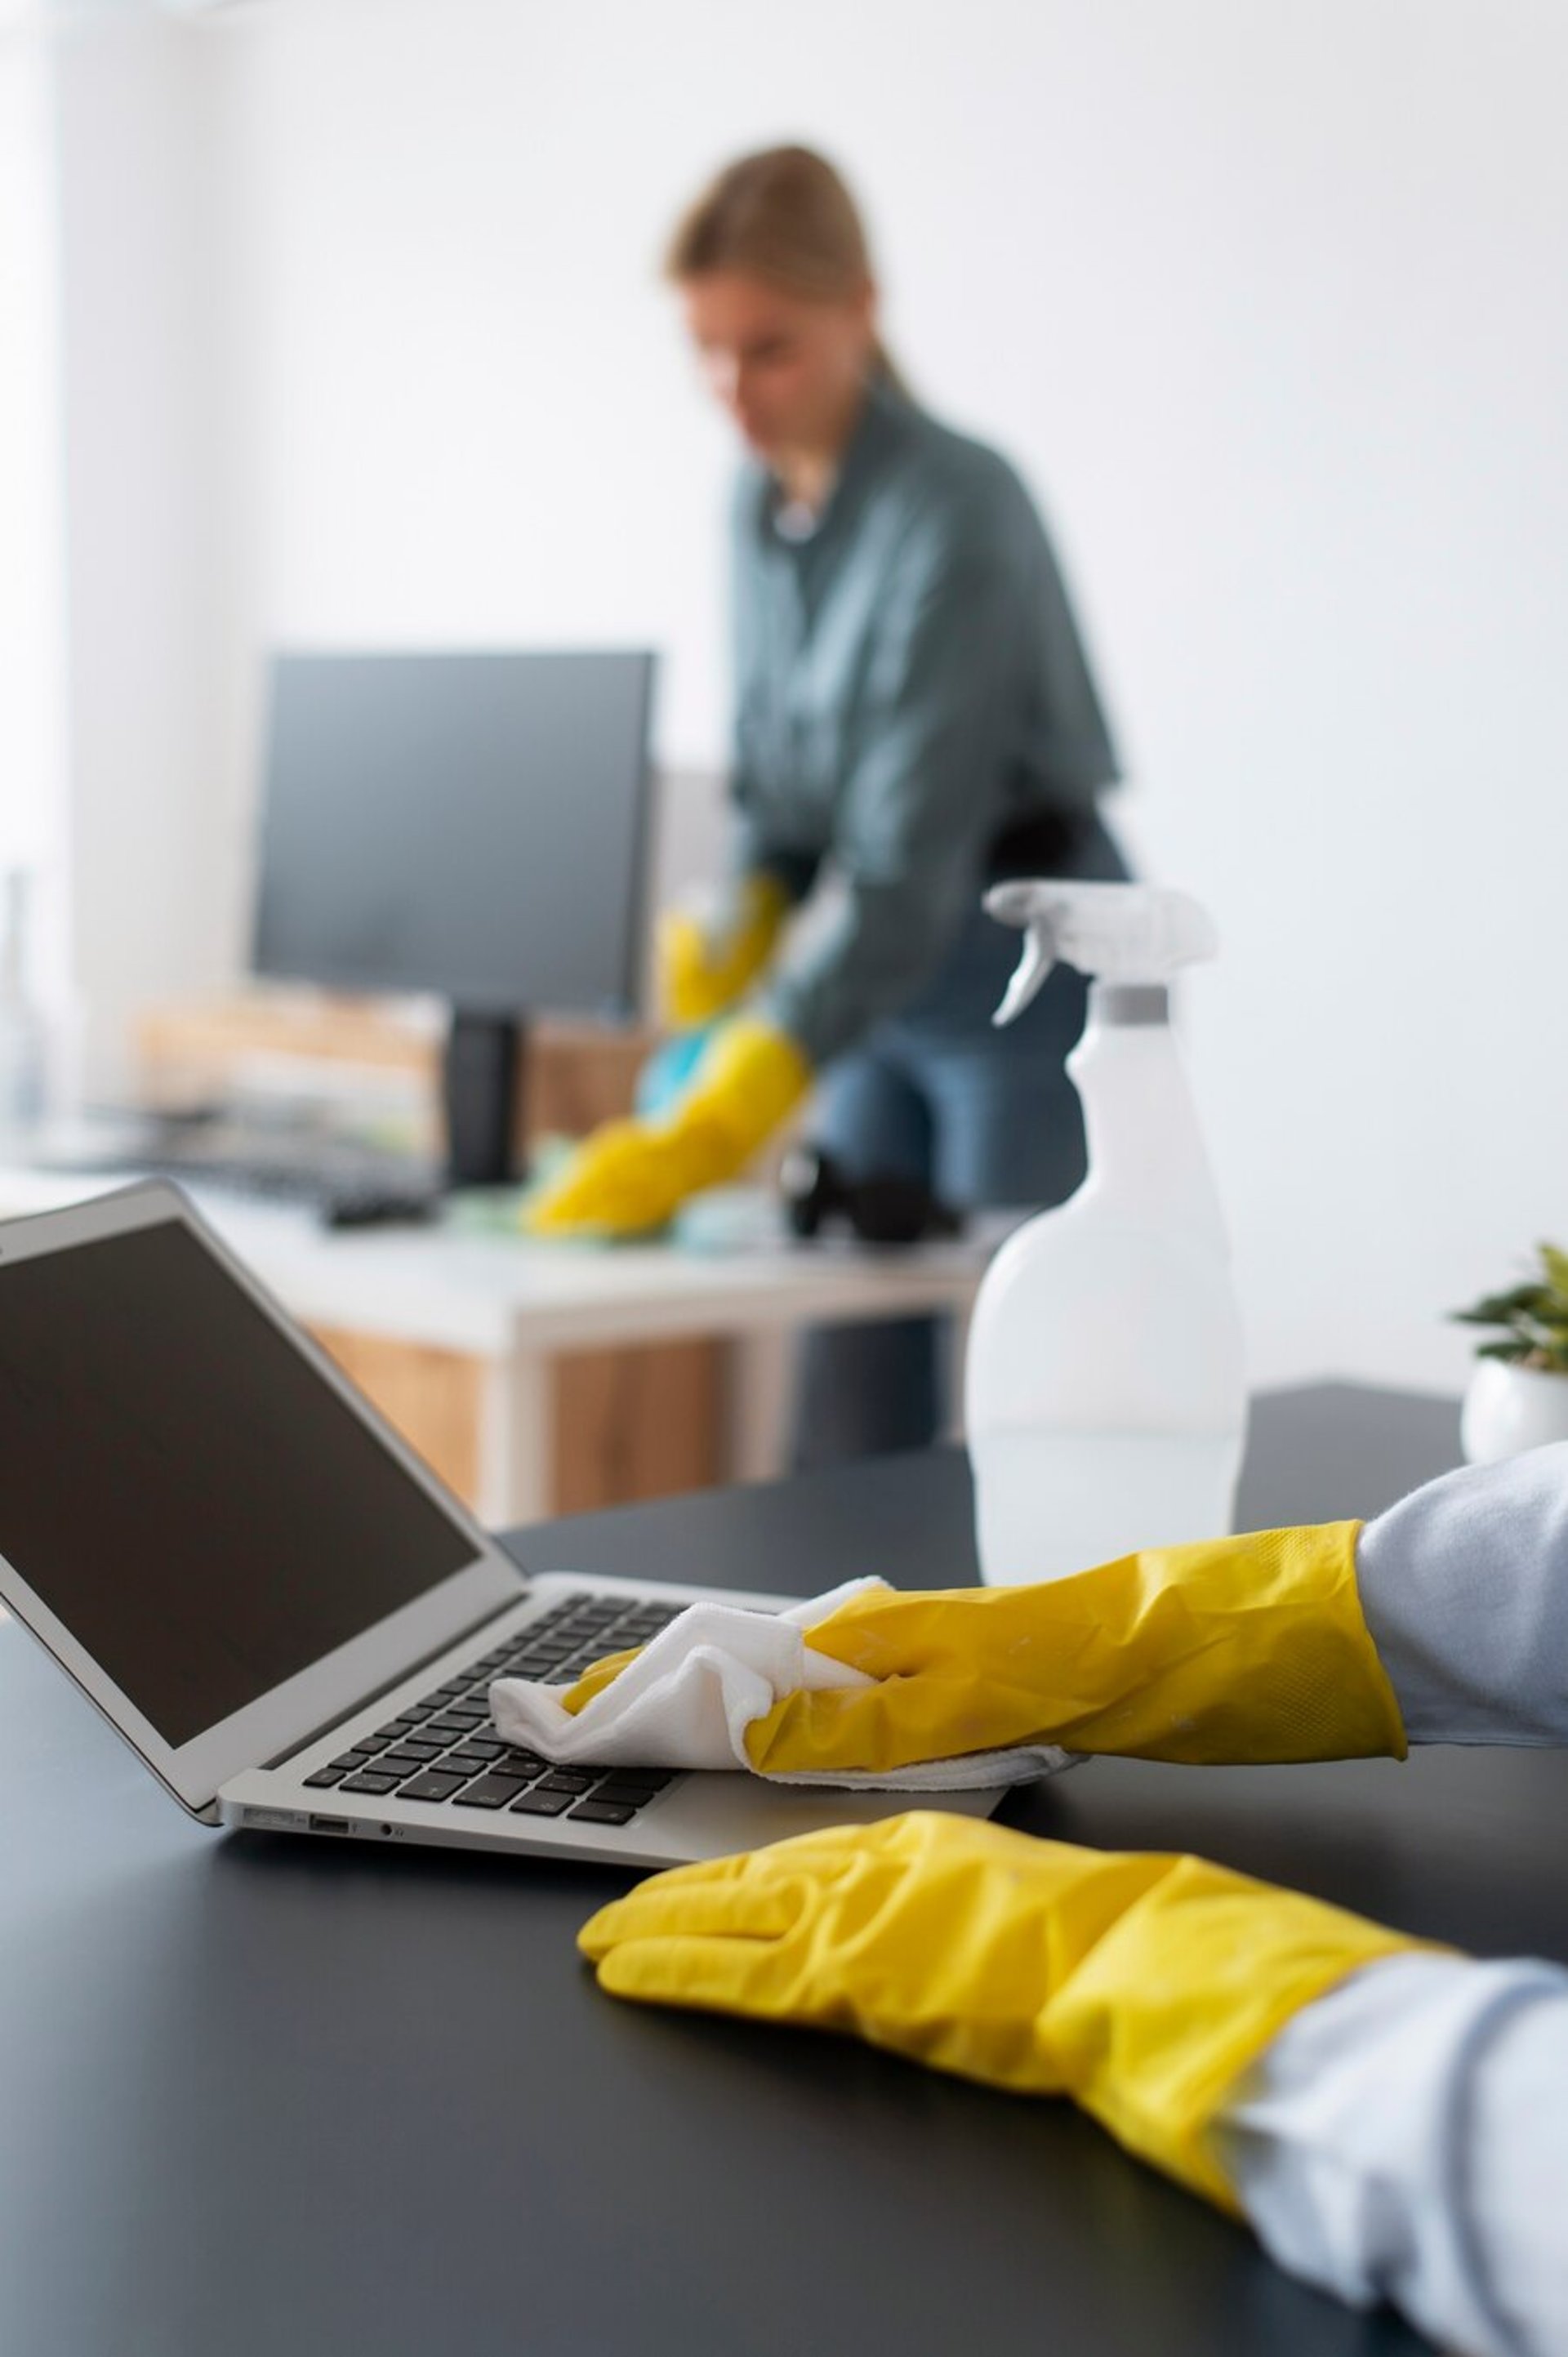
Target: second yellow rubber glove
x,y
632,1175
1141,1986
1241,1649
707,963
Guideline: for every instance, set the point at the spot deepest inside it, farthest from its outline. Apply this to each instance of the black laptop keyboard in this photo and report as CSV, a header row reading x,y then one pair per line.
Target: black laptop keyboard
x,y
444,1747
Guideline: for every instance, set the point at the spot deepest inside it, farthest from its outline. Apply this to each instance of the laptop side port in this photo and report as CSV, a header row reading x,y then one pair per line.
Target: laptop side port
x,y
329,1824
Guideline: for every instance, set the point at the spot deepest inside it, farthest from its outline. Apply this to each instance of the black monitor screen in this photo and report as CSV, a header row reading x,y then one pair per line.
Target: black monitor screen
x,y
183,1489
468,825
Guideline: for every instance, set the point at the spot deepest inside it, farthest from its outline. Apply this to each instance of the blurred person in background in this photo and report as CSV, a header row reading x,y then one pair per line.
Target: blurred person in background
x,y
915,720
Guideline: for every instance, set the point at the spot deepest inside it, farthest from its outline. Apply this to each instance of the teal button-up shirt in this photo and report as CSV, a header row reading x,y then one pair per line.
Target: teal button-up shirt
x,y
909,684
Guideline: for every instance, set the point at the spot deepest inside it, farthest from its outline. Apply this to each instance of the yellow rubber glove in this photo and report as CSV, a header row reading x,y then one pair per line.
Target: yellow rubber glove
x,y
1241,1649
1143,1986
631,1175
704,967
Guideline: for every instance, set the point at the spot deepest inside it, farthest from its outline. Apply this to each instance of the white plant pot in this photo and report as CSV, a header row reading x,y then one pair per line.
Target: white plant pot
x,y
1508,1409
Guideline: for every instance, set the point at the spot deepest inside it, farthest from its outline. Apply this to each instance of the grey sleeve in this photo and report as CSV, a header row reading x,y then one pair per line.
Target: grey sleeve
x,y
1405,2139
922,799
753,848
1465,1589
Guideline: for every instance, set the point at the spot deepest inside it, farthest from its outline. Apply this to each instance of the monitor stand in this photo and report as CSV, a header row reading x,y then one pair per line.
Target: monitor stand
x,y
481,1073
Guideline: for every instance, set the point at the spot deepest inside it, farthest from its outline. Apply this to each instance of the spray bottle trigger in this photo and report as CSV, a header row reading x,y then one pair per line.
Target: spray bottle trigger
x,y
1018,904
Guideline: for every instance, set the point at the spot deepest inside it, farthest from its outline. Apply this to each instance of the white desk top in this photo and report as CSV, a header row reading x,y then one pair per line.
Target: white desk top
x,y
492,1294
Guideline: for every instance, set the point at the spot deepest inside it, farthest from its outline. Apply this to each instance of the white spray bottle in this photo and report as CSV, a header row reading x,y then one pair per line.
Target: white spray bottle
x,y
1105,1396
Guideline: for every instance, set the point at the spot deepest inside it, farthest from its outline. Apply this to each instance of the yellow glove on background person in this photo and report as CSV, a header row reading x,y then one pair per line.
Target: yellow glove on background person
x,y
1241,1649
706,964
1141,1986
631,1175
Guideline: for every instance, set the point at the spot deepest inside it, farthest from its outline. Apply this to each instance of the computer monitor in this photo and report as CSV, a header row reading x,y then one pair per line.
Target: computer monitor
x,y
472,826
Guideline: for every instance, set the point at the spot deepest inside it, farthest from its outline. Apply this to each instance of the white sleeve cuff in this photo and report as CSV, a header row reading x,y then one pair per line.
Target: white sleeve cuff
x,y
1405,2139
1465,1589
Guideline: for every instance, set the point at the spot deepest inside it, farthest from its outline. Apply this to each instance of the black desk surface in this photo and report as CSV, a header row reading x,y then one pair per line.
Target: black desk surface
x,y
268,2098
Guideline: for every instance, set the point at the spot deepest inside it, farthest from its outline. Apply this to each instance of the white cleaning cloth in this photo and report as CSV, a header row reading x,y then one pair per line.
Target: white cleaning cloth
x,y
688,1698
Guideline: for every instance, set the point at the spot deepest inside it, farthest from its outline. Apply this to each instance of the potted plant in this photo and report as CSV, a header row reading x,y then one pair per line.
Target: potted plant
x,y
1519,1394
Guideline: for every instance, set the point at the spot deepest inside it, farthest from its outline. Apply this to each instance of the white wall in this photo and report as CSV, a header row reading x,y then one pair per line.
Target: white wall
x,y
148,448
1267,302
32,497
31,573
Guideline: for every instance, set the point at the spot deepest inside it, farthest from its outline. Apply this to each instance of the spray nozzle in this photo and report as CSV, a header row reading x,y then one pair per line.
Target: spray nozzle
x,y
1118,932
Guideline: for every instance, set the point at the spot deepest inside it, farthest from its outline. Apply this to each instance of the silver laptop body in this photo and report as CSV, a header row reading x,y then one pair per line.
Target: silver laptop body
x,y
255,1579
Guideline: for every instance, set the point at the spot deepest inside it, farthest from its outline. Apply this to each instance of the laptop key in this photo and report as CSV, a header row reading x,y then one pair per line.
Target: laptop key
x,y
432,1786
605,1812
567,1780
540,1803
399,1764
491,1792
325,1776
368,1784
422,1747
348,1760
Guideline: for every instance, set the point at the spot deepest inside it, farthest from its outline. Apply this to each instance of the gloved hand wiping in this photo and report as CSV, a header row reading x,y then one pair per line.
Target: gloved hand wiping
x,y
689,1698
631,1176
1239,1648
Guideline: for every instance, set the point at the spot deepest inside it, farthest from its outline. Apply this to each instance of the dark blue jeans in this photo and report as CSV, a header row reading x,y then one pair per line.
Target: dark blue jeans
x,y
986,1118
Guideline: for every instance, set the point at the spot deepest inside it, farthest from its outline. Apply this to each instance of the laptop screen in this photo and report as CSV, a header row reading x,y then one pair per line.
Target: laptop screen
x,y
181,1488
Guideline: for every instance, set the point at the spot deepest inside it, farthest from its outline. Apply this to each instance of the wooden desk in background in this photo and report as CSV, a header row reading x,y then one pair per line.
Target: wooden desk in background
x,y
536,1379
482,1322
630,1423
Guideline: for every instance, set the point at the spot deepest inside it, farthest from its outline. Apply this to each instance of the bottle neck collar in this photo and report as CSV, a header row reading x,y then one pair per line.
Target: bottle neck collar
x,y
1124,1006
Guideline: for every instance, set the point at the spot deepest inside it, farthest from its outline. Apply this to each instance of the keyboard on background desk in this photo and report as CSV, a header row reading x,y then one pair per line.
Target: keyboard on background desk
x,y
344,1185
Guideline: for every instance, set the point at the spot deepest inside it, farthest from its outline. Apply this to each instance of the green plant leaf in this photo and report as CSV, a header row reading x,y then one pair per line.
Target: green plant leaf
x,y
1512,1352
1501,1308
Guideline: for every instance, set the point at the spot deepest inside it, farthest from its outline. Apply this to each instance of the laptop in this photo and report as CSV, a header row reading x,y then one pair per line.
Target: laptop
x,y
274,1601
